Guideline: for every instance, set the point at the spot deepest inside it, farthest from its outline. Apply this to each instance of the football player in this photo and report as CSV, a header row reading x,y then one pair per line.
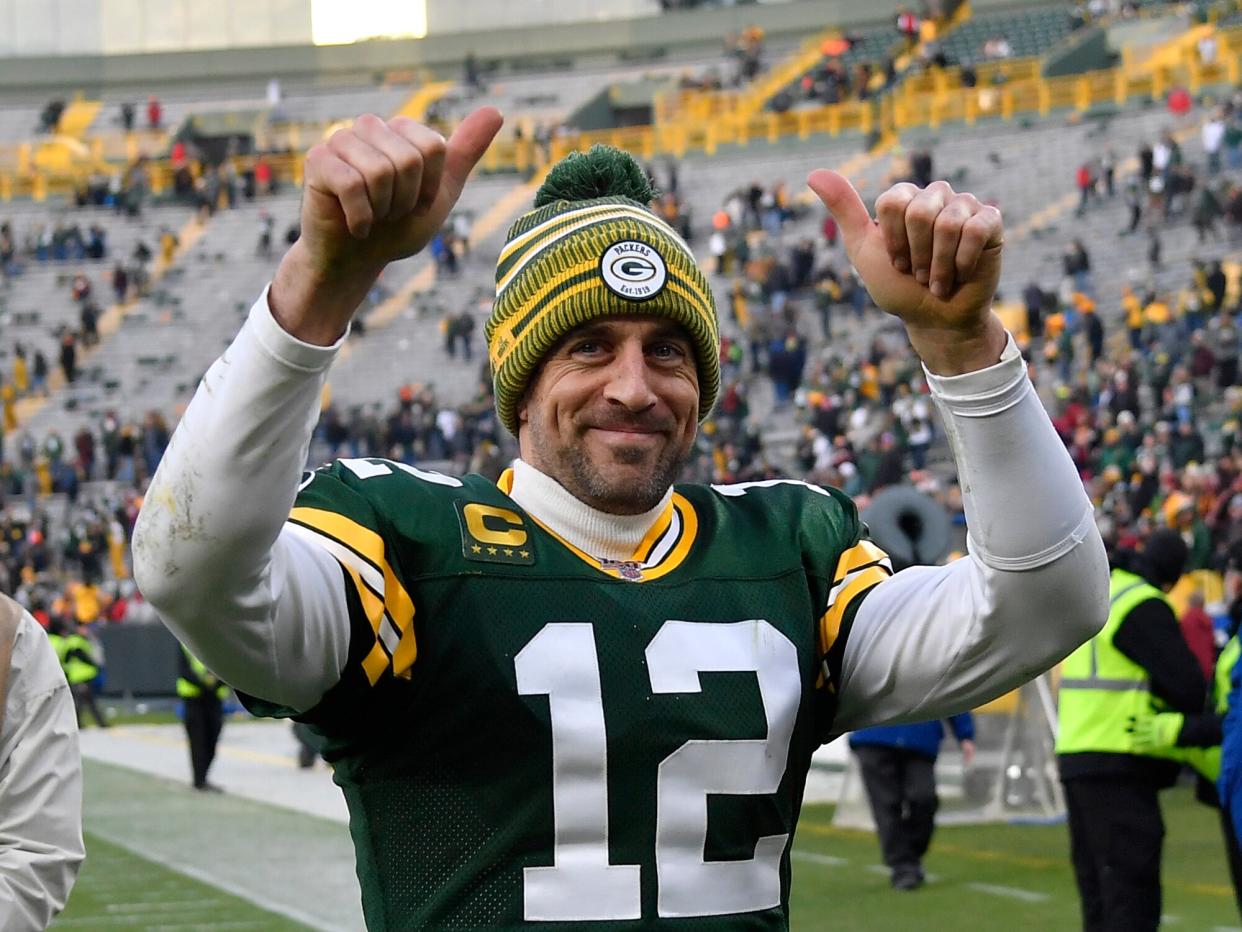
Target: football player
x,y
586,697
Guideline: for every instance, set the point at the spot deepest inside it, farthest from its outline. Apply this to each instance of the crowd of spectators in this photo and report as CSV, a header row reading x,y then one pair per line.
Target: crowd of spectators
x,y
744,61
1144,394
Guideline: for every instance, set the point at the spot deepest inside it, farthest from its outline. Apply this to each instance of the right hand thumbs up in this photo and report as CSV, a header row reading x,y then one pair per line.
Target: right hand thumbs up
x,y
381,190
375,192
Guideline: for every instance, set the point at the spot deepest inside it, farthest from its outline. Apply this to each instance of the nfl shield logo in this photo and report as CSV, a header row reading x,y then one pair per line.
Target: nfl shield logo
x,y
627,569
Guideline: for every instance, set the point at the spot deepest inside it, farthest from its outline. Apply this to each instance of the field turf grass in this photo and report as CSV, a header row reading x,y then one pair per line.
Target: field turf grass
x,y
1005,877
119,890
998,877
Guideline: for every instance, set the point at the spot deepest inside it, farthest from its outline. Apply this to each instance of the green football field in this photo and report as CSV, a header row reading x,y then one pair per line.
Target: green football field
x,y
1004,877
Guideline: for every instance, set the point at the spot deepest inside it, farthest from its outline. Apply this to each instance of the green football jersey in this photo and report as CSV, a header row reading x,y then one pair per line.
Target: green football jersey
x,y
528,737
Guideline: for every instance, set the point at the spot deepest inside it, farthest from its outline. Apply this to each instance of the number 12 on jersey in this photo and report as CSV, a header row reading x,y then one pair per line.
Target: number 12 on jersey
x,y
561,662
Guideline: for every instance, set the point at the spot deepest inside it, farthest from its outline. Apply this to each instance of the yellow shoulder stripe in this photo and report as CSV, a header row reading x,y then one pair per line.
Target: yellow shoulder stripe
x,y
394,601
830,624
860,554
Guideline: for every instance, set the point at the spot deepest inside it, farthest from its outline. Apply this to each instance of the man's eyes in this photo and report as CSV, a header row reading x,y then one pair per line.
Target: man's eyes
x,y
668,351
665,350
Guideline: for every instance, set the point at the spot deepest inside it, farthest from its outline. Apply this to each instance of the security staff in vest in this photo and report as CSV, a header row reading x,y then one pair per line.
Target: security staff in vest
x,y
1196,739
79,659
1137,665
203,695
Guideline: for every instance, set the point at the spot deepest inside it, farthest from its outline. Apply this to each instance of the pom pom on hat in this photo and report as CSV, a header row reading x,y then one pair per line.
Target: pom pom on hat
x,y
602,171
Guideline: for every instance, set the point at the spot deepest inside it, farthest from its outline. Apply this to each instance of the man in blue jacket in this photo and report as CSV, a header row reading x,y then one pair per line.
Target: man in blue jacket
x,y
898,769
1229,784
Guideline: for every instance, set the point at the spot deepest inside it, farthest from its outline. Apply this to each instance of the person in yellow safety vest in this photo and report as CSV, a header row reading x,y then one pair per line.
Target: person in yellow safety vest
x,y
203,695
79,659
1197,738
1137,665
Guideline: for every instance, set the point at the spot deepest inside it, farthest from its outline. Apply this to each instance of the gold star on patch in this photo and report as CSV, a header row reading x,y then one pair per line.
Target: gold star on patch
x,y
523,554
492,551
508,551
476,549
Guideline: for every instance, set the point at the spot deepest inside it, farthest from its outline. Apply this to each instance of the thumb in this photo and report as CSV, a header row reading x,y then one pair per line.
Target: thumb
x,y
843,202
467,145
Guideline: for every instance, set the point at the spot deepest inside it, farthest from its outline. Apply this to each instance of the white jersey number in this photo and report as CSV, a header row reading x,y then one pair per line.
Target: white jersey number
x,y
561,662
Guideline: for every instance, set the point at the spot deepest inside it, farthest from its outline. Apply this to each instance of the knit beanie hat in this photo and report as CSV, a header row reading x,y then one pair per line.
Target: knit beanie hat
x,y
592,248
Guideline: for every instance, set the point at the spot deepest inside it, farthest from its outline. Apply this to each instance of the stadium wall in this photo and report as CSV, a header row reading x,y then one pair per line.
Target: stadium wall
x,y
48,43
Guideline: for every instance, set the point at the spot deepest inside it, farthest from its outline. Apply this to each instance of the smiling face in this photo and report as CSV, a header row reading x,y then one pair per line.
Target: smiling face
x,y
611,413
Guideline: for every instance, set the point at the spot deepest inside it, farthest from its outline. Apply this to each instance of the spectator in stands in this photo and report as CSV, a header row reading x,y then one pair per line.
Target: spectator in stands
x,y
21,371
169,242
1212,135
997,48
471,76
1093,327
263,178
1206,212
8,406
120,282
88,317
81,287
155,112
1076,262
49,117
1199,632
908,26
39,373
1108,172
155,434
69,356
922,167
267,223
1085,180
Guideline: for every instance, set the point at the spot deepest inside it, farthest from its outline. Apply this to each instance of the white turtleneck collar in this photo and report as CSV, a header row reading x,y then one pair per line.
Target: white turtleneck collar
x,y
602,535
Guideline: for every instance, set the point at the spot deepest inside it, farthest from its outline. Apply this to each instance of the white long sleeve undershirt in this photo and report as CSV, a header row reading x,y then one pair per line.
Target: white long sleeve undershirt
x,y
265,610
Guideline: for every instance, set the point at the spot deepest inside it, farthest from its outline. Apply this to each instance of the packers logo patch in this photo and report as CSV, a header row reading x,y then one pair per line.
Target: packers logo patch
x,y
494,535
633,270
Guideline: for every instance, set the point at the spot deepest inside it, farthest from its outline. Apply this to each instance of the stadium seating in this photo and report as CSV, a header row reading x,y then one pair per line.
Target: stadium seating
x,y
169,339
1030,32
875,45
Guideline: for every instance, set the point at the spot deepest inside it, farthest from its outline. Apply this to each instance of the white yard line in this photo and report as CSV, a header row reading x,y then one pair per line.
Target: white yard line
x,y
220,883
161,906
1012,893
129,921
813,858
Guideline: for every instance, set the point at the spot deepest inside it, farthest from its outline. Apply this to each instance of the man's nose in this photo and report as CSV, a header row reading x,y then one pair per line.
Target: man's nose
x,y
629,379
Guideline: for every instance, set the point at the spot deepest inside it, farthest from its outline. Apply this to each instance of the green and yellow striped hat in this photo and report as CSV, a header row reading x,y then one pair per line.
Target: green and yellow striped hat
x,y
591,248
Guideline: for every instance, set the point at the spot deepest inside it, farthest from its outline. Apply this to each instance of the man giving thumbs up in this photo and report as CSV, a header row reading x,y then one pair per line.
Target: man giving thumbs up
x,y
518,683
